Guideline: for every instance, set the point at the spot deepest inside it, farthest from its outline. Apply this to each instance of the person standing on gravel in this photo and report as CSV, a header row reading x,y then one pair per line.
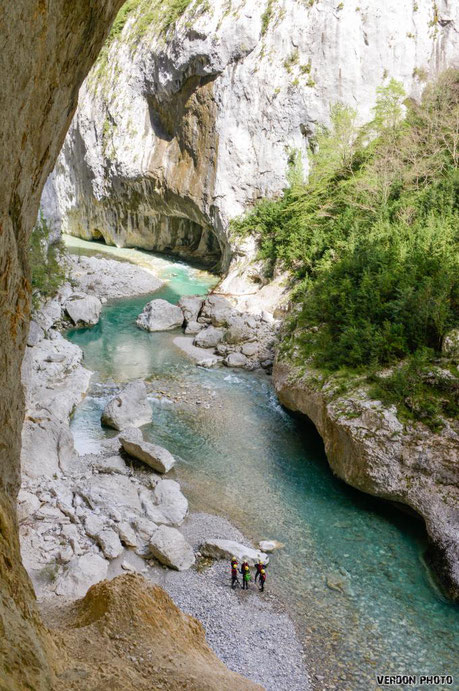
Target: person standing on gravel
x,y
234,571
246,576
259,566
262,576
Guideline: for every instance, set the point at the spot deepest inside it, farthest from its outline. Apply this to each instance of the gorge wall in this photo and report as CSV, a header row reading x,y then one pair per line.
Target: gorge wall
x,y
186,119
47,50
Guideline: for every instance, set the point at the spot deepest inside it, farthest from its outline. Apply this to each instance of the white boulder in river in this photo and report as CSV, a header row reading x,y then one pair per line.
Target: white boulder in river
x,y
160,315
129,408
170,548
225,549
84,309
153,455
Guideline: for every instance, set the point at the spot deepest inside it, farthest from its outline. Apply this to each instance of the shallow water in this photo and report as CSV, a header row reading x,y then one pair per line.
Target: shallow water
x,y
244,456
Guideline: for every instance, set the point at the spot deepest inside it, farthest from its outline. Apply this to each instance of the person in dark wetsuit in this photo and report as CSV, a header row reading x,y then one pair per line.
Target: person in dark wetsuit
x,y
259,566
234,572
262,575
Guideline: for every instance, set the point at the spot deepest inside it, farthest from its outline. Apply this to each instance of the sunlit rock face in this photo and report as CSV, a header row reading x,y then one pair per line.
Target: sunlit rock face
x,y
180,129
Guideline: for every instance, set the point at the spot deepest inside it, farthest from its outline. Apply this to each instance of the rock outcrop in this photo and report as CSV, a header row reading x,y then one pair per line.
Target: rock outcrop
x,y
182,124
226,549
369,448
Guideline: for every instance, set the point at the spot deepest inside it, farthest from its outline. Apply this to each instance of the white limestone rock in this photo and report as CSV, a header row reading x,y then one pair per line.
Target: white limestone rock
x,y
191,306
226,549
110,543
160,315
80,574
170,548
192,328
36,333
209,337
129,408
153,455
235,360
28,503
84,310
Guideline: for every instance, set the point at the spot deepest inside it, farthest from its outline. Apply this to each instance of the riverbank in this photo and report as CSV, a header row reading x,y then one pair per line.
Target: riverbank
x,y
63,553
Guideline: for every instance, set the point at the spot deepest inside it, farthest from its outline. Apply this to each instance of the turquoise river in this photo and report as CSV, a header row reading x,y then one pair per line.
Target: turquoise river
x,y
245,457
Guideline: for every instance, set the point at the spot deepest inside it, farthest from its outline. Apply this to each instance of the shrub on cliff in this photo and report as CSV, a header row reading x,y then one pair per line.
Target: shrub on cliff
x,y
372,238
47,270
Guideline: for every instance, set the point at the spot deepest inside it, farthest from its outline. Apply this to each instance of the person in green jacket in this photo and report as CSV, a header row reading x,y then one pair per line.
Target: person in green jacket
x,y
246,575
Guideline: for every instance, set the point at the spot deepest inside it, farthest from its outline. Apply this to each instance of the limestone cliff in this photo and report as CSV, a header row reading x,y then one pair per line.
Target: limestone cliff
x,y
188,118
369,448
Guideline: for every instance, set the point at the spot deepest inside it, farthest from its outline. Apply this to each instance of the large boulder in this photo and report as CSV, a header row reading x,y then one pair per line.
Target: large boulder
x,y
129,408
225,549
166,505
238,331
170,548
160,315
84,310
216,310
235,360
47,446
209,337
190,306
80,574
153,455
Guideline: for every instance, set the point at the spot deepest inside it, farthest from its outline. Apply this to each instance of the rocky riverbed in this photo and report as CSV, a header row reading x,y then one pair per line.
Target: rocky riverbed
x,y
84,518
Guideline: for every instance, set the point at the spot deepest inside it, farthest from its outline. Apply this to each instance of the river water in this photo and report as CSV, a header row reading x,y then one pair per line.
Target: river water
x,y
351,571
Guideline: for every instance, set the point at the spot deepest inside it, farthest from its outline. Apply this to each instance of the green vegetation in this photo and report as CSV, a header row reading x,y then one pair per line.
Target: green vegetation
x,y
47,272
371,241
266,17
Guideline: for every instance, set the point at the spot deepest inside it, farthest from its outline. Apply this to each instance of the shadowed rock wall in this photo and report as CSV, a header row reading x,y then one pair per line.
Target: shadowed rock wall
x,y
47,49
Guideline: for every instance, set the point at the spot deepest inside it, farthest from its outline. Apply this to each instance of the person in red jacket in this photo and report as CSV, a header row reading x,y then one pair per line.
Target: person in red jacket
x,y
259,566
234,571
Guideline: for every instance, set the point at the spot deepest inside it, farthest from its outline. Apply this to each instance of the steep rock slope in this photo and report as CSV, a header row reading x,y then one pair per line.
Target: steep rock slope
x,y
187,118
47,50
369,448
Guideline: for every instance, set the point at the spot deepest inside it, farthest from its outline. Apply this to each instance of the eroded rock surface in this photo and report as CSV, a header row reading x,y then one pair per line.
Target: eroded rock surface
x,y
370,449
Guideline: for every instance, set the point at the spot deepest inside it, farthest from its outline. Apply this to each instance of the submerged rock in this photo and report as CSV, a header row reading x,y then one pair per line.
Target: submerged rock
x,y
129,408
170,548
160,315
269,545
225,549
